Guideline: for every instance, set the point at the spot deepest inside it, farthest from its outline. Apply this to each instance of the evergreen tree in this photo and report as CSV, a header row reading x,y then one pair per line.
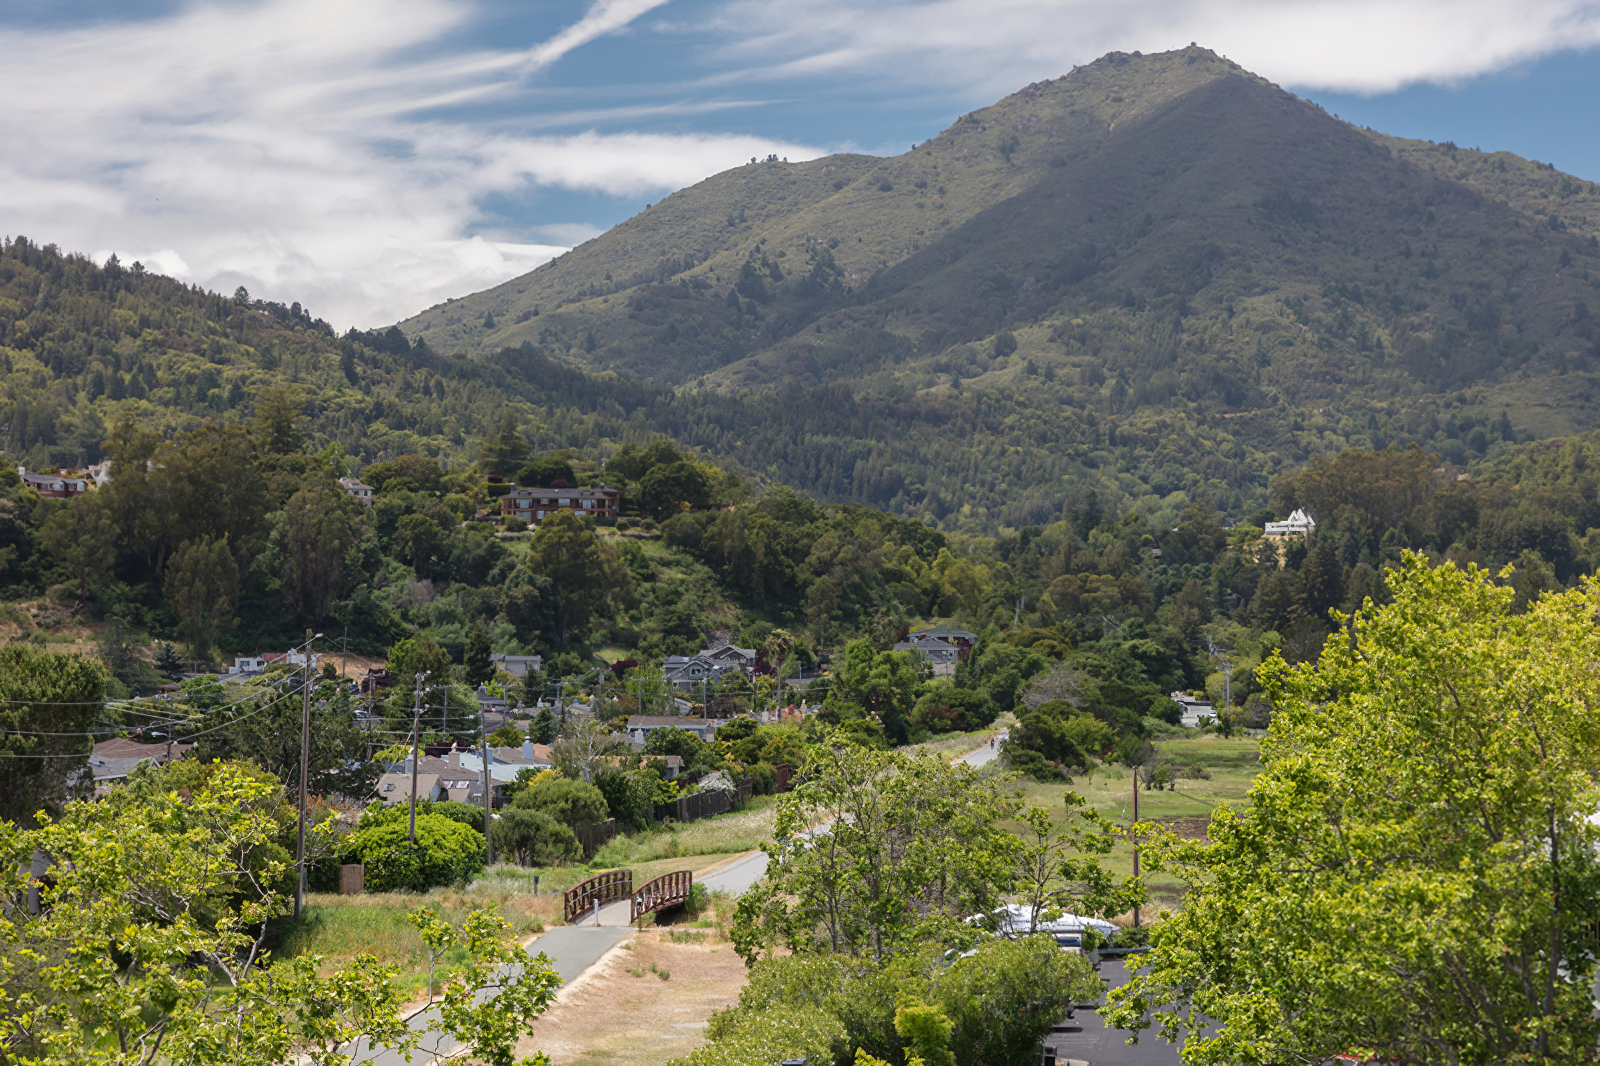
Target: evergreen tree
x,y
202,579
476,658
278,422
505,450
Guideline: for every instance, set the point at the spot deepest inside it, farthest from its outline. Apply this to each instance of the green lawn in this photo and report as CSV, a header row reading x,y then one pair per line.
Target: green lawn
x,y
1233,764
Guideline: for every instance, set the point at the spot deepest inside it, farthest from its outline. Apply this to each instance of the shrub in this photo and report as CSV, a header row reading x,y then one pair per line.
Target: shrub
x,y
999,1001
446,852
515,525
698,900
630,797
468,814
763,779
954,709
572,803
773,1036
534,837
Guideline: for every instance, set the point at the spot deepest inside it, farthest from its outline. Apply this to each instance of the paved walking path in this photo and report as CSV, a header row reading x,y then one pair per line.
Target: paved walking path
x,y
988,753
573,949
739,876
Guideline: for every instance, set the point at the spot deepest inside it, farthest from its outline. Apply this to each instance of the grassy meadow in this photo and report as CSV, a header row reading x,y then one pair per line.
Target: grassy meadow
x,y
337,928
1232,763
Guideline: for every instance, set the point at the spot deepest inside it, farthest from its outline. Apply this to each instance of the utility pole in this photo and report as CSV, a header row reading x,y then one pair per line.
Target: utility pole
x,y
305,772
1136,838
416,739
488,803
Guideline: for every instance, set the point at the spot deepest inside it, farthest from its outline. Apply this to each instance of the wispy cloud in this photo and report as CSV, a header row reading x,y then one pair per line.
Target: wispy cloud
x,y
997,45
296,147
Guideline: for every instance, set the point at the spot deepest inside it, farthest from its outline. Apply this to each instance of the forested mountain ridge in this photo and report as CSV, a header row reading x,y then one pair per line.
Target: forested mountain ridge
x,y
1153,255
1158,278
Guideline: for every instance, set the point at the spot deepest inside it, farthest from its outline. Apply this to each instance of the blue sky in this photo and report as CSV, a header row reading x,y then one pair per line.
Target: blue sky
x,y
371,157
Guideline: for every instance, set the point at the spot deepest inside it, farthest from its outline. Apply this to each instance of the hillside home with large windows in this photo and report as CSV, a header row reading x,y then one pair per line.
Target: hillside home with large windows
x,y
534,505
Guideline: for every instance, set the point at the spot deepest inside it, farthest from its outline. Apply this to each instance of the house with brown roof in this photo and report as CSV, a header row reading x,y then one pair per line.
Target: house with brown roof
x,y
113,760
534,504
56,486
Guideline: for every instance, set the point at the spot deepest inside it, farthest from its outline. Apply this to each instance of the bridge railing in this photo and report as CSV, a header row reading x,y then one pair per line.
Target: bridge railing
x,y
581,898
668,890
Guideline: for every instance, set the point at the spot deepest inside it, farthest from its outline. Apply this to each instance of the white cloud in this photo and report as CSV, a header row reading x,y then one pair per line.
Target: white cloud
x,y
995,46
278,145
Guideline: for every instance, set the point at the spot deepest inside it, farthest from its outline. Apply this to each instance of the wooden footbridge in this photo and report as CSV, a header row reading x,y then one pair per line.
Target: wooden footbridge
x,y
588,897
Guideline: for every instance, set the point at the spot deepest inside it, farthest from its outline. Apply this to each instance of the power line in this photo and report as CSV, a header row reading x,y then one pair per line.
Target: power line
x,y
175,723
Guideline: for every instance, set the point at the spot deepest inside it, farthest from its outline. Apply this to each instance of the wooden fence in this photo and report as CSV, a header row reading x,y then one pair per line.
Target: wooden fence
x,y
594,837
581,898
701,805
668,890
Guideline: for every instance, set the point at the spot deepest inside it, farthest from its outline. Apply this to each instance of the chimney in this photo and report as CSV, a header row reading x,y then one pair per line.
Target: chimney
x,y
455,758
527,749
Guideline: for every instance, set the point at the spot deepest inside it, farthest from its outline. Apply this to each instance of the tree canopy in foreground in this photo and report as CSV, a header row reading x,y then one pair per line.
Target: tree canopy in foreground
x,y
1416,878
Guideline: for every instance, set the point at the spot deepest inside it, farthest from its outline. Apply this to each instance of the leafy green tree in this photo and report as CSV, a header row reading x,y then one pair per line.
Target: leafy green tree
x,y
438,936
673,741
1415,876
630,794
547,470
574,804
278,428
506,736
408,658
883,683
263,727
445,852
419,541
163,906
542,730
202,580
78,537
534,837
582,577
168,662
318,534
667,489
499,993
48,703
1055,865
909,838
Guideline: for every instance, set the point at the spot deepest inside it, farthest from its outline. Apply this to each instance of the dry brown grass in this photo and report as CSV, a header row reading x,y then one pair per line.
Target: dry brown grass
x,y
624,1012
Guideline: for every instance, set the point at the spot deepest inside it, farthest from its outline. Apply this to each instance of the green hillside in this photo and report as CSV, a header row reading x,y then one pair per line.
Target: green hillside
x,y
1157,279
1158,265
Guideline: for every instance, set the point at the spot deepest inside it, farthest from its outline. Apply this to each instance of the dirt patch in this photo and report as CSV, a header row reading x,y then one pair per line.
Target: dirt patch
x,y
1187,828
624,1012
